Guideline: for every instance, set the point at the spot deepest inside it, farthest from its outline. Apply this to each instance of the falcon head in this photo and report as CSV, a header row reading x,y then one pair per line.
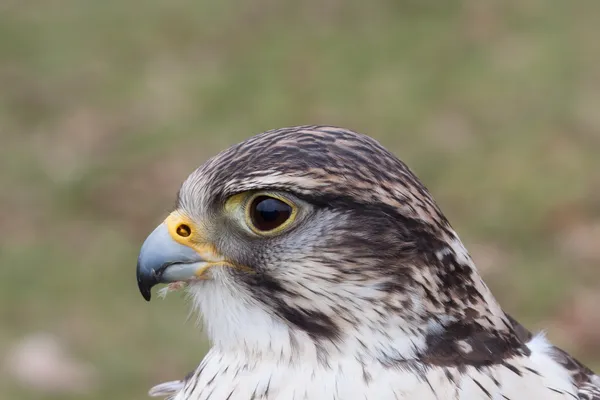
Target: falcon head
x,y
316,237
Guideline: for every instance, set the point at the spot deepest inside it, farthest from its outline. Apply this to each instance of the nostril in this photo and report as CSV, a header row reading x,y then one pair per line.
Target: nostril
x,y
184,230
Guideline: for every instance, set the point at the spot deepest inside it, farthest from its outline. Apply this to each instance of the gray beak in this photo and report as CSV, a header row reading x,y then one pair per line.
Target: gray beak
x,y
163,260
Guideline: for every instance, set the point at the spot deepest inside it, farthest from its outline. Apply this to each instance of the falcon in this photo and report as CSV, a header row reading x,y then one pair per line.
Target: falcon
x,y
323,269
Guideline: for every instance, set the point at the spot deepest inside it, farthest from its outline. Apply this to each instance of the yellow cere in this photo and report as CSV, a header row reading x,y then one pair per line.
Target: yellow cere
x,y
178,223
187,233
180,227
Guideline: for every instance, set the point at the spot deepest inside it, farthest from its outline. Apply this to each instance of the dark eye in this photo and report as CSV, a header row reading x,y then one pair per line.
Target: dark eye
x,y
268,213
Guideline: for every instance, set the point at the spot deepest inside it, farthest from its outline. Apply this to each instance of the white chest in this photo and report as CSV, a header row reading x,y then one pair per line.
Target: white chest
x,y
223,377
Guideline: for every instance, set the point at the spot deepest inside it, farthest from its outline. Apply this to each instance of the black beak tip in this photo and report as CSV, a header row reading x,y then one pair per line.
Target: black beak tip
x,y
146,281
144,290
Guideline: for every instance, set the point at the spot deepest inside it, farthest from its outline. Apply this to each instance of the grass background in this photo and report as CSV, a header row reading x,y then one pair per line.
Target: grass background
x,y
106,106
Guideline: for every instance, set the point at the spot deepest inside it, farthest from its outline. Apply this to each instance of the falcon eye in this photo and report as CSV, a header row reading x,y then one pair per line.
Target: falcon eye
x,y
184,230
268,213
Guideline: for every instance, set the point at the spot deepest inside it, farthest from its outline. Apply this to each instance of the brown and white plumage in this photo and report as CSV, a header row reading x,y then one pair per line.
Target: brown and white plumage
x,y
367,293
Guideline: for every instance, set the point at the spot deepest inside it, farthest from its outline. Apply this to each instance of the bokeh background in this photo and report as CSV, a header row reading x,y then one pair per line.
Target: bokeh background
x,y
106,106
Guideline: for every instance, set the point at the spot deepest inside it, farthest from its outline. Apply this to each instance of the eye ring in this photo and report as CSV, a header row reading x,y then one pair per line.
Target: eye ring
x,y
268,214
183,230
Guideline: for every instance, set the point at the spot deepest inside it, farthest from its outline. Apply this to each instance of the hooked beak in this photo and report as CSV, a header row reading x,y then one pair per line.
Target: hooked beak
x,y
170,255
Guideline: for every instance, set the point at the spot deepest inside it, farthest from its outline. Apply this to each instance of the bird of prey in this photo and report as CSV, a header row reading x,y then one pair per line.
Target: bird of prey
x,y
323,269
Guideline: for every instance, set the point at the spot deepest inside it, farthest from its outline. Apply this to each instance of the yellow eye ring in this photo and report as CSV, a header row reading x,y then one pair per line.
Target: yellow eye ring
x,y
268,214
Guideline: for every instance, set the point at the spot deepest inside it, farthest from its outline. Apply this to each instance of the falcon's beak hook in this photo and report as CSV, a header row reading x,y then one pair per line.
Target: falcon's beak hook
x,y
171,254
163,260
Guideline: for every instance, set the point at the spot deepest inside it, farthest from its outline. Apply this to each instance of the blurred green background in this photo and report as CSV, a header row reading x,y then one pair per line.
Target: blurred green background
x,y
106,106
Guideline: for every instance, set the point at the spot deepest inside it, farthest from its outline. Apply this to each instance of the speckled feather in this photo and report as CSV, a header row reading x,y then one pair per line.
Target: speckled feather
x,y
372,294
